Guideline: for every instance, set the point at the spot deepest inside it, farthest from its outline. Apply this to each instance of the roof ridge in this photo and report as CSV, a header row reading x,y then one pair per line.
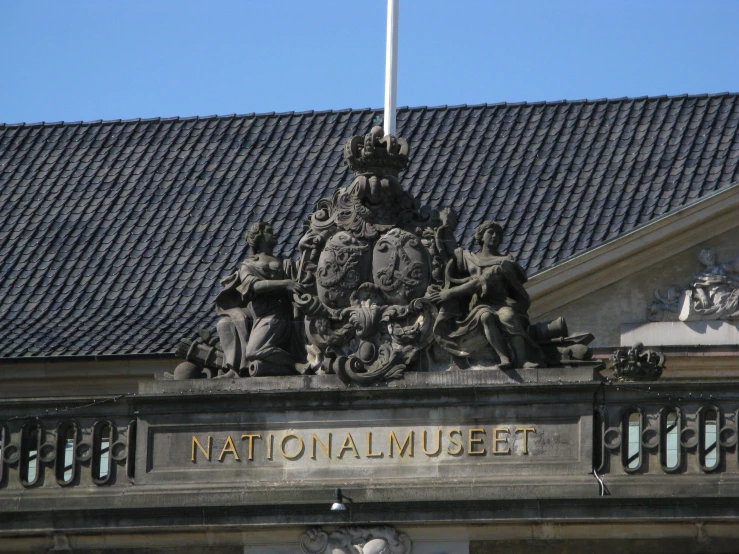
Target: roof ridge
x,y
368,109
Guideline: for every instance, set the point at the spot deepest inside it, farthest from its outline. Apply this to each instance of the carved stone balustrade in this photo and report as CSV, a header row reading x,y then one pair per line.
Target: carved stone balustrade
x,y
59,452
686,430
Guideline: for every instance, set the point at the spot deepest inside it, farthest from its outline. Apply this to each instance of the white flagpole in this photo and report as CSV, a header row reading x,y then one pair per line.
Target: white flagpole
x,y
391,67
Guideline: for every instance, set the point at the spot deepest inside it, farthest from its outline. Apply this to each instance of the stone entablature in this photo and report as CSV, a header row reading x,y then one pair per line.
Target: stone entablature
x,y
511,437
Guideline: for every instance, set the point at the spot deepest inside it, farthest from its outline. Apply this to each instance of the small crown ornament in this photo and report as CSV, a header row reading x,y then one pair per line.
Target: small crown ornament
x,y
637,364
376,154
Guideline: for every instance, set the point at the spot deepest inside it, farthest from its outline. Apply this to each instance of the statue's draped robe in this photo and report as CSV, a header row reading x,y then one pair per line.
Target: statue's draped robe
x,y
263,322
502,294
722,289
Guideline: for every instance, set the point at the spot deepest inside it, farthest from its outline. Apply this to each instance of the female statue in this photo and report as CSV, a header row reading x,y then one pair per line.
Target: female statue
x,y
491,287
257,329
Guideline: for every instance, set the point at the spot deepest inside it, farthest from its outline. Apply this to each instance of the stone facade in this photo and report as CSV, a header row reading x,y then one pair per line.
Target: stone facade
x,y
192,463
391,392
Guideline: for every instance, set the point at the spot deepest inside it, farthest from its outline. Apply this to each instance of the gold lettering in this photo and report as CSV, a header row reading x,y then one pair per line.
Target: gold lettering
x,y
349,445
251,443
475,440
438,444
455,442
229,448
370,454
196,443
270,445
525,431
497,439
300,450
326,449
407,443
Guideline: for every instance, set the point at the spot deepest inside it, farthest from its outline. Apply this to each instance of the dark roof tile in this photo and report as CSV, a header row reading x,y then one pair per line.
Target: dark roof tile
x,y
131,223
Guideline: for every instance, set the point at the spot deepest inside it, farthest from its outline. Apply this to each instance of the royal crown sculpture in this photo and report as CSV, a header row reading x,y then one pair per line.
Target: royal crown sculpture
x,y
380,288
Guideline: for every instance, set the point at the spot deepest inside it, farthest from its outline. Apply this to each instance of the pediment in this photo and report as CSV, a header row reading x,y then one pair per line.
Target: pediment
x,y
645,248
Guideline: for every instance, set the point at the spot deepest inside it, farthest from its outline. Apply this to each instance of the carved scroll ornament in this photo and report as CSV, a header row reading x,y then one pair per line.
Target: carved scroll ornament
x,y
355,540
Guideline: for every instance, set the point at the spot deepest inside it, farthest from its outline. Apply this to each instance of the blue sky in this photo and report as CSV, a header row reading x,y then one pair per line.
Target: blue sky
x,y
85,60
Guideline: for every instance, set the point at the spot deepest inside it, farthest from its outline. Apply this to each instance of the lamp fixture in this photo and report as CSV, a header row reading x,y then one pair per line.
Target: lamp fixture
x,y
339,504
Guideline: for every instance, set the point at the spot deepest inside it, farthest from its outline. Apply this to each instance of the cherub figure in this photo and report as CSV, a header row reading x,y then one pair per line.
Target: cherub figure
x,y
491,285
714,294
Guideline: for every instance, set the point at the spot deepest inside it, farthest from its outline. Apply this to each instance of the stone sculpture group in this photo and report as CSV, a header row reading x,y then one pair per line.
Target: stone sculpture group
x,y
713,295
380,287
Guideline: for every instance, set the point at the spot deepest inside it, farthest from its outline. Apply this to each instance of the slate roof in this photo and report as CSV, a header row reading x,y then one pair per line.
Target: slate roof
x,y
114,234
